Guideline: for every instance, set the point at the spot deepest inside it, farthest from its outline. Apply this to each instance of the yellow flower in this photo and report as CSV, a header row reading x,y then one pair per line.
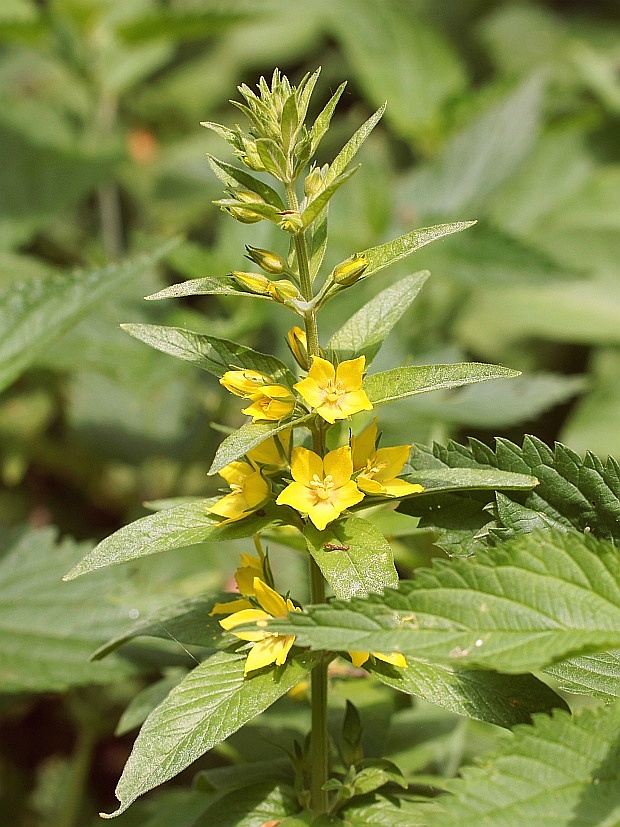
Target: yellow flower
x,y
335,393
272,454
250,569
268,647
396,659
269,401
322,488
246,383
248,491
380,467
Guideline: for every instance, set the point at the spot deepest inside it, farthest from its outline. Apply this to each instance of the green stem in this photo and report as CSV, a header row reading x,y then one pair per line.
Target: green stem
x,y
305,280
78,775
319,741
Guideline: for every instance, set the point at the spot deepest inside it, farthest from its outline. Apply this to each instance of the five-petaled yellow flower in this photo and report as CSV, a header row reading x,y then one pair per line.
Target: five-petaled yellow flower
x,y
380,467
322,488
268,647
335,393
269,400
248,491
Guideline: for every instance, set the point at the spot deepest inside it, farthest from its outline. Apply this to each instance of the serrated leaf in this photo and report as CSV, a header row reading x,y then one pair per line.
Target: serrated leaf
x,y
538,599
364,333
248,437
207,286
400,383
563,772
254,805
232,176
392,251
318,204
354,556
178,527
33,314
350,149
213,355
211,703
49,628
484,695
593,675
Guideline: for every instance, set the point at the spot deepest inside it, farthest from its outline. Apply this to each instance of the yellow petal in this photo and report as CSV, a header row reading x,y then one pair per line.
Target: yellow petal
x,y
322,371
305,465
230,607
236,472
392,459
339,465
363,446
272,649
269,599
244,382
298,496
395,658
359,658
401,488
323,512
310,391
349,374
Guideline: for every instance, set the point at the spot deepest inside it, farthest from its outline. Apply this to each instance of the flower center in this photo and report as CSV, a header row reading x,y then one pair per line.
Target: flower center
x,y
333,391
371,469
322,488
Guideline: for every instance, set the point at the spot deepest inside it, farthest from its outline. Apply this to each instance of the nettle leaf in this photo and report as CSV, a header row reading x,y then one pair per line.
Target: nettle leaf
x,y
364,333
248,437
563,771
35,313
573,492
207,286
484,695
538,599
350,149
49,628
392,251
354,556
399,383
211,703
213,355
184,525
232,176
593,675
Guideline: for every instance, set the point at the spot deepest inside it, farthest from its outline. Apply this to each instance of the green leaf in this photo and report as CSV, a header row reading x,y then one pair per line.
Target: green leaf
x,y
354,556
145,702
321,124
253,805
596,675
392,251
484,695
350,149
562,771
364,333
33,314
207,286
49,628
318,204
248,437
399,383
178,527
213,355
232,176
180,25
258,209
541,598
211,703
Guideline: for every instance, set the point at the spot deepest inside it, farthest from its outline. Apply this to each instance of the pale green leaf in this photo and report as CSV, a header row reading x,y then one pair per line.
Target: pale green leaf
x,y
33,314
178,527
213,355
354,556
211,703
260,210
207,286
248,437
350,149
562,772
399,383
596,675
540,598
392,251
321,124
364,333
145,702
318,204
484,695
234,176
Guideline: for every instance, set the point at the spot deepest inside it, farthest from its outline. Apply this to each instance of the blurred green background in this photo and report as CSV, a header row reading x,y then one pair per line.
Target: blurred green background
x,y
505,112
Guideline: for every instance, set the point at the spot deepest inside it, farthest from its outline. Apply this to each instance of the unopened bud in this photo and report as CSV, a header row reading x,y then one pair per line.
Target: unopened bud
x,y
250,156
284,290
349,271
298,343
313,183
291,222
270,262
254,282
245,383
242,215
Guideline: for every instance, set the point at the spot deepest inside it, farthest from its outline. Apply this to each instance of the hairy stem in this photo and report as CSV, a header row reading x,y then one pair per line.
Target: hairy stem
x,y
319,742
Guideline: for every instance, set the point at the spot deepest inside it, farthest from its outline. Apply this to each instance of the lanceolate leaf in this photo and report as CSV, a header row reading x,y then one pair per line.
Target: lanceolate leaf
x,y
33,314
386,254
211,703
178,527
233,176
540,598
349,150
485,695
248,437
318,204
364,333
321,125
354,557
562,771
206,286
399,383
213,355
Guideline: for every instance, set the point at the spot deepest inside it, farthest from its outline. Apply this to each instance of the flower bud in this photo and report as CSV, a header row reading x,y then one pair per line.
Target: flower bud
x,y
254,282
298,343
313,183
246,383
349,271
247,197
284,290
269,261
291,222
250,156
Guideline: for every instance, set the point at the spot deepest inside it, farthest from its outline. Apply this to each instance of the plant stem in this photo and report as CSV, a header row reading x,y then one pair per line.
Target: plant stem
x,y
79,768
319,742
305,281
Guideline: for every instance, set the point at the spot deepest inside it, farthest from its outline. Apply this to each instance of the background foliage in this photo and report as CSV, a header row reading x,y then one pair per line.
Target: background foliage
x,y
503,112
